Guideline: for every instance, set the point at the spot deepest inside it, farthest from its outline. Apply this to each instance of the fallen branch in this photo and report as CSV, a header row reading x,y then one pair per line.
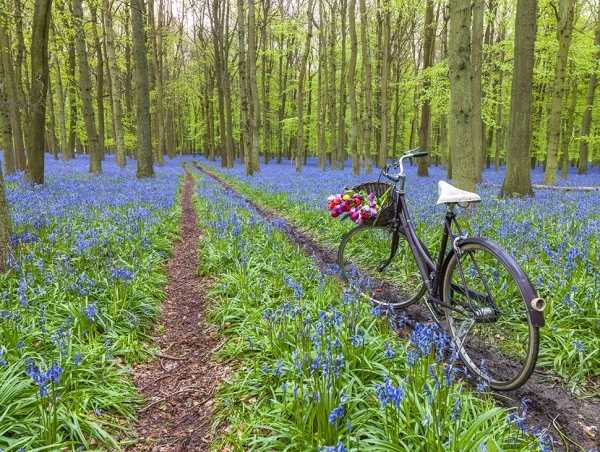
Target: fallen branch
x,y
564,188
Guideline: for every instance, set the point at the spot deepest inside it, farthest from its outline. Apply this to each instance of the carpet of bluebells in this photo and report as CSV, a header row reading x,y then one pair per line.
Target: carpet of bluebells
x,y
554,236
320,370
83,287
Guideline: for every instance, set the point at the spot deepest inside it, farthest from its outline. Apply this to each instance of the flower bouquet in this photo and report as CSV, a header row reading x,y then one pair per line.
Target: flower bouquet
x,y
359,206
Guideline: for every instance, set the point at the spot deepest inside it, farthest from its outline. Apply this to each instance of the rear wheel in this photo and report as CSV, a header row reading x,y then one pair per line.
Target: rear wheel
x,y
365,264
490,320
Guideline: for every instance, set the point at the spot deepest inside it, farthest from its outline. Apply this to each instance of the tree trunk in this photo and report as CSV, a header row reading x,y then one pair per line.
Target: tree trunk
x,y
354,120
564,28
61,107
51,129
85,90
464,167
568,133
476,52
242,65
252,165
115,84
586,121
300,94
69,152
5,227
145,160
333,110
99,81
322,88
12,94
341,128
517,180
39,88
367,83
156,74
385,80
5,132
428,34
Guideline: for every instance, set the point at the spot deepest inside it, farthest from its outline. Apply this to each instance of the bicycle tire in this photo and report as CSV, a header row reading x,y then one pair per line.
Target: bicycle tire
x,y
354,271
502,352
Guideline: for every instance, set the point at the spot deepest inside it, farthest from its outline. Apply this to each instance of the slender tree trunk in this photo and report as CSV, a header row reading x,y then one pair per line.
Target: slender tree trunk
x,y
586,121
115,84
156,73
85,90
72,95
128,67
5,227
517,180
367,83
322,88
145,161
354,120
61,107
12,94
385,81
300,94
242,65
428,34
99,81
253,107
568,133
39,88
333,109
464,167
5,132
476,56
51,129
341,129
564,28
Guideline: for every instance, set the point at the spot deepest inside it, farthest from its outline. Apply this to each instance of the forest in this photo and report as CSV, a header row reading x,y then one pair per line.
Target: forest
x,y
220,223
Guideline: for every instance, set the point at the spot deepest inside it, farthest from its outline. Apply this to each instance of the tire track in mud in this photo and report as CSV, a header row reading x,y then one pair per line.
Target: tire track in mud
x,y
572,421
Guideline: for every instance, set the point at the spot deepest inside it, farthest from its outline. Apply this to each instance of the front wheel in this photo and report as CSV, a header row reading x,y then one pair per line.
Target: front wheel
x,y
487,296
367,263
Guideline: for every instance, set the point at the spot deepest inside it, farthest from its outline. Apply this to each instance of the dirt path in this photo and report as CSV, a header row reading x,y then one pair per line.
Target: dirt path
x,y
180,383
573,422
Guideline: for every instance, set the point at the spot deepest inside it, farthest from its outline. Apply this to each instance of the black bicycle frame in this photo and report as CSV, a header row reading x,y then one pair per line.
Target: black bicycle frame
x,y
430,270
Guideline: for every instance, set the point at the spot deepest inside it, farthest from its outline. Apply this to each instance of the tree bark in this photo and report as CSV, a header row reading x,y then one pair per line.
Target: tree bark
x,y
354,120
564,28
476,52
99,80
464,167
341,128
367,125
72,94
5,227
115,84
242,66
14,105
85,90
385,81
145,161
568,133
517,180
252,165
39,88
5,132
300,94
428,34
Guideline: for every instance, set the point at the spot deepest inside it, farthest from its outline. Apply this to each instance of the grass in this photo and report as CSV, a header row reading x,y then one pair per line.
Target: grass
x,y
78,301
318,368
553,236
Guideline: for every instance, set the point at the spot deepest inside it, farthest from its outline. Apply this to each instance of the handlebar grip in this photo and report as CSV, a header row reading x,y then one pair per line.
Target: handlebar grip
x,y
420,153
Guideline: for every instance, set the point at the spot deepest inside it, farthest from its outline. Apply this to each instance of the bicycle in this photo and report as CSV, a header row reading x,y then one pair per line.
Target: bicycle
x,y
485,300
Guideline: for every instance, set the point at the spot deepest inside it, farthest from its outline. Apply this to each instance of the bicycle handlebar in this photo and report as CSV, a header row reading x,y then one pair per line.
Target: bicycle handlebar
x,y
417,152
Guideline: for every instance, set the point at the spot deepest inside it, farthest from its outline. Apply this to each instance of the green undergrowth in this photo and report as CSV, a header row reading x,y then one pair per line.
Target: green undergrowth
x,y
319,369
570,352
76,320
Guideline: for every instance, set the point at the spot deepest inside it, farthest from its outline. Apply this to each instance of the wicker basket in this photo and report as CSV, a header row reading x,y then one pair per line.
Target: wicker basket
x,y
386,214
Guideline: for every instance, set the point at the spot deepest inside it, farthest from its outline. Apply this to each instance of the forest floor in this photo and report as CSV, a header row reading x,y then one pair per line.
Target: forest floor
x,y
179,385
572,421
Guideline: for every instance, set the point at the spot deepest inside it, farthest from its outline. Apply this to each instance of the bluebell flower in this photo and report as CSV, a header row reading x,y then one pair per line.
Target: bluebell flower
x,y
336,414
339,447
91,311
388,352
578,346
77,358
2,360
122,274
387,393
